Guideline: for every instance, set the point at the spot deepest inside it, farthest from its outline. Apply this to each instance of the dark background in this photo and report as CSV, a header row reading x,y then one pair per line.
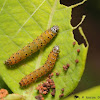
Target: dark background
x,y
91,28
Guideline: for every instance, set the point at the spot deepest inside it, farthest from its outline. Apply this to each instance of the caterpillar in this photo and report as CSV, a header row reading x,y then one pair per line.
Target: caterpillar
x,y
32,47
42,70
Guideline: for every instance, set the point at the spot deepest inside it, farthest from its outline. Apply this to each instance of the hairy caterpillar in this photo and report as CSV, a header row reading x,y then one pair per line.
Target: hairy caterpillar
x,y
42,70
32,47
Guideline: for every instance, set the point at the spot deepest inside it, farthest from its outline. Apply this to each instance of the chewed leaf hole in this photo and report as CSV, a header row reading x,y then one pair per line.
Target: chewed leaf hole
x,y
78,37
70,2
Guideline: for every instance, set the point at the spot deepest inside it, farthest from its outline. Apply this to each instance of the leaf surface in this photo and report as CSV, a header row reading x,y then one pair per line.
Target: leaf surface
x,y
92,93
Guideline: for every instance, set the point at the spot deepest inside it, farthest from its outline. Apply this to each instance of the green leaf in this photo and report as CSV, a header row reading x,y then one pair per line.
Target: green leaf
x,y
3,85
89,94
21,21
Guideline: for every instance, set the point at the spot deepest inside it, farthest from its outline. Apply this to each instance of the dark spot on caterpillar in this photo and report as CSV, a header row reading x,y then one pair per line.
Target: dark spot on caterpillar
x,y
52,34
45,70
13,57
26,54
31,51
45,40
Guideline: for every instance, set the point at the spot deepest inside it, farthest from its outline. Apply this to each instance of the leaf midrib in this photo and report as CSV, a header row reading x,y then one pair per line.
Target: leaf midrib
x,y
49,24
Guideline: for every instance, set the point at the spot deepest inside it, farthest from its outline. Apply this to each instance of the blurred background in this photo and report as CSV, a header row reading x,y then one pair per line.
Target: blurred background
x,y
91,28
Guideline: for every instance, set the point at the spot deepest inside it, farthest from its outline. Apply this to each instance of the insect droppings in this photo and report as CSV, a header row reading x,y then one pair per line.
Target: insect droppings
x,y
57,74
65,67
74,43
76,60
78,50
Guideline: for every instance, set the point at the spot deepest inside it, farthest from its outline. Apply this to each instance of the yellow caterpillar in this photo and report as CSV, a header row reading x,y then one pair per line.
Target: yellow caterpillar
x,y
32,47
42,70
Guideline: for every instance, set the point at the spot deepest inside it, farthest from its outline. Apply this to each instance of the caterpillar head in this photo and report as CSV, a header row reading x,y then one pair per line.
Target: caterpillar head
x,y
56,49
55,29
6,63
